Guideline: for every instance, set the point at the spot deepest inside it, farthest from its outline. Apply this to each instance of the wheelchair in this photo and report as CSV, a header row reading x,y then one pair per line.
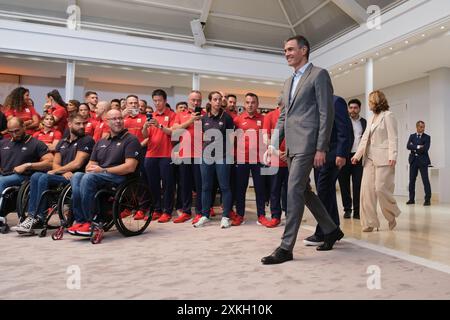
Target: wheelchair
x,y
10,201
115,206
52,196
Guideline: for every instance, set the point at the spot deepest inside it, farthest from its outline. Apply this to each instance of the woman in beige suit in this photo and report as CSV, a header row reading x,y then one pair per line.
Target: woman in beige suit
x,y
378,147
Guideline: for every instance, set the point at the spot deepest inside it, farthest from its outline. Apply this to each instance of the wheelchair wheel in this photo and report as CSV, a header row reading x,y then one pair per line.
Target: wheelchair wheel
x,y
131,198
23,196
65,206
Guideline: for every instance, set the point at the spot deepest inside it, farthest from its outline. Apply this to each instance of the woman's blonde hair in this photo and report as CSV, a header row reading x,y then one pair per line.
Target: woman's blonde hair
x,y
379,101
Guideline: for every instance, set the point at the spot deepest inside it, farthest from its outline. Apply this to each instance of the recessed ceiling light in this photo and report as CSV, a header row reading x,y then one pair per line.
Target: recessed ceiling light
x,y
406,41
442,28
351,64
331,72
377,53
423,34
340,69
222,78
362,60
390,48
147,70
269,83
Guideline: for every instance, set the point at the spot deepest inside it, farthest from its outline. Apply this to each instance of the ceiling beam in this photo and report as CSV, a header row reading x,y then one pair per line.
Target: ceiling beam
x,y
205,10
287,17
165,6
353,9
245,19
313,11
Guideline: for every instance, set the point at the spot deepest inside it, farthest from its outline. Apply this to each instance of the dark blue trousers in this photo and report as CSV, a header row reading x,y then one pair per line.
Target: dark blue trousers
x,y
160,170
242,176
414,169
190,176
278,191
325,179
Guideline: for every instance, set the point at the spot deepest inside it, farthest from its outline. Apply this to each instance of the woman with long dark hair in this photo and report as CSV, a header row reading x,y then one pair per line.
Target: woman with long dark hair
x,y
57,109
16,105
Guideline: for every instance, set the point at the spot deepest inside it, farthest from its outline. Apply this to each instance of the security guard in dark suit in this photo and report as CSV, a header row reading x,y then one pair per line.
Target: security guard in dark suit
x,y
419,160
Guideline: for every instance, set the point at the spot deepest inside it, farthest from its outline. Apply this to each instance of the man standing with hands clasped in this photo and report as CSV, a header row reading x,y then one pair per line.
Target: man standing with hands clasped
x,y
419,160
305,122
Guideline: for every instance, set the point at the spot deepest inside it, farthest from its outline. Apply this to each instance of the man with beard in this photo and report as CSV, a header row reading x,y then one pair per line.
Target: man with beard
x,y
71,155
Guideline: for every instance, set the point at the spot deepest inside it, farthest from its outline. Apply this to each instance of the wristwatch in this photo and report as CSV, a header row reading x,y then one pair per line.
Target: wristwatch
x,y
29,165
105,170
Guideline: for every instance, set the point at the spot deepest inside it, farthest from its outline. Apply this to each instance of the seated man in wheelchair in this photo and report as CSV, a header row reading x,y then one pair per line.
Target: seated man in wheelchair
x,y
20,156
71,155
112,160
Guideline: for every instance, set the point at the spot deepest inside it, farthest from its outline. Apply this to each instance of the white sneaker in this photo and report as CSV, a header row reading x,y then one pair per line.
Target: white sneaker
x,y
225,223
26,225
201,223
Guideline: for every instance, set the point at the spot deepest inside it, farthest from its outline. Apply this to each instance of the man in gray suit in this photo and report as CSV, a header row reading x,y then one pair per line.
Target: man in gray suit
x,y
305,122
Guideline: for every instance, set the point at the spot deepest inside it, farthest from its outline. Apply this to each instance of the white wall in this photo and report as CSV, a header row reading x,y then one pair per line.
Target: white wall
x,y
7,83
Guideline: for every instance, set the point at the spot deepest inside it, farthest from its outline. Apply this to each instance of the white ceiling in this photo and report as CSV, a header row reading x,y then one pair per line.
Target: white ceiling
x,y
400,62
251,24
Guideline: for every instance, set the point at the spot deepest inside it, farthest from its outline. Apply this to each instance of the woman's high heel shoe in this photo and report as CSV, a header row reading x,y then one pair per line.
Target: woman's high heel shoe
x,y
368,229
392,224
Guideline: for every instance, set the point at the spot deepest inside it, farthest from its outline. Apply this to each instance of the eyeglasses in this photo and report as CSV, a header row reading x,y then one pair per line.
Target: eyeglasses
x,y
14,131
116,119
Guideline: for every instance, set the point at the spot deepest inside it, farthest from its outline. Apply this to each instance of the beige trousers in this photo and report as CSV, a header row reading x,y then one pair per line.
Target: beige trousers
x,y
377,184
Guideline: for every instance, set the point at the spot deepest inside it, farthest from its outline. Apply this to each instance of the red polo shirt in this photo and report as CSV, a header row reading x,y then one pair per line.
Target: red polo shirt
x,y
90,127
135,125
232,114
26,114
270,123
60,113
248,125
159,144
195,136
101,127
48,137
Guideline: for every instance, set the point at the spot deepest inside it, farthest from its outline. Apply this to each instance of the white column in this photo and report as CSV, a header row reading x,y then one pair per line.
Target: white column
x,y
70,79
195,81
437,127
369,86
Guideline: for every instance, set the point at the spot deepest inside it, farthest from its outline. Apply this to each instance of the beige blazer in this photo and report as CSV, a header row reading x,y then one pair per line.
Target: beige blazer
x,y
381,141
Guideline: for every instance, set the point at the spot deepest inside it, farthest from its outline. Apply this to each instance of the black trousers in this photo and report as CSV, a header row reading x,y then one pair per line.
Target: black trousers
x,y
325,178
414,169
353,172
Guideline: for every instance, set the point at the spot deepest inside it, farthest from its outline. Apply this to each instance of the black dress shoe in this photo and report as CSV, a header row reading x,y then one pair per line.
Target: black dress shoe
x,y
278,256
410,202
427,203
356,216
330,239
347,214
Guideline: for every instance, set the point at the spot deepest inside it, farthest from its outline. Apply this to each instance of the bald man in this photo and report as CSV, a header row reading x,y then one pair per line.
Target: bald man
x,y
112,160
101,125
21,156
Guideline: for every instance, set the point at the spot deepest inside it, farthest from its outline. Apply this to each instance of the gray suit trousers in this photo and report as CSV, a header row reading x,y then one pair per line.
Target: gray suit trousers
x,y
299,194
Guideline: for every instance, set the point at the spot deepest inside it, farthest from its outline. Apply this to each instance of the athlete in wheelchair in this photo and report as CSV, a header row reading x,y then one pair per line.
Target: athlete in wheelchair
x,y
110,191
41,197
20,156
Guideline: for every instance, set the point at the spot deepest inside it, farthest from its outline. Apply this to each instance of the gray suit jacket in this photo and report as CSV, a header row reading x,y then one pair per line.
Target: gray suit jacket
x,y
307,121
